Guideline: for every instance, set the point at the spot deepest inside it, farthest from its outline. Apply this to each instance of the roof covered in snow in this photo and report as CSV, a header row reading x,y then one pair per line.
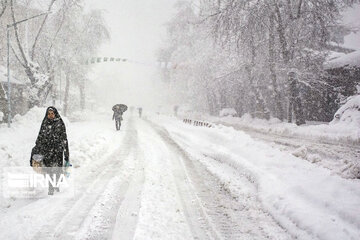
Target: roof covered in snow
x,y
350,59
349,113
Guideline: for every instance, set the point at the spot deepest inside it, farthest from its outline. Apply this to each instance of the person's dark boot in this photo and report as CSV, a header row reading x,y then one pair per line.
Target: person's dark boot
x,y
51,192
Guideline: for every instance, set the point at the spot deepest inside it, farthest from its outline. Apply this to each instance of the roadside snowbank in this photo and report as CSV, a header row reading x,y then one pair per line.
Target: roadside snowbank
x,y
308,201
339,133
16,142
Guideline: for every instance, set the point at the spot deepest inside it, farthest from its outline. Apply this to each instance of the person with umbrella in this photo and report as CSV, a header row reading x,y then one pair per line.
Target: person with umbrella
x,y
140,111
118,109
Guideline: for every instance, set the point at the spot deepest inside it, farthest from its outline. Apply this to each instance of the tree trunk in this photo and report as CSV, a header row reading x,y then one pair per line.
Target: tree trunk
x,y
300,119
240,102
3,7
279,112
222,99
66,97
82,94
290,109
295,104
3,103
2,92
260,110
211,99
281,32
209,103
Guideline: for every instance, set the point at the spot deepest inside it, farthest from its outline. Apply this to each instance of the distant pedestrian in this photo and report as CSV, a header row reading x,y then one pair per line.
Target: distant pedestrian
x,y
140,111
118,109
118,118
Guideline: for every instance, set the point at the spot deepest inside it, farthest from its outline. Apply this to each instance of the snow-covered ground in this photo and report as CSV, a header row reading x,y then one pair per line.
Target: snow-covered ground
x,y
159,178
309,202
334,146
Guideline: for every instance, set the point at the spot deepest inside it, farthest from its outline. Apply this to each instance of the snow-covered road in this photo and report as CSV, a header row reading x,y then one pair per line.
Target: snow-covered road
x,y
341,158
161,179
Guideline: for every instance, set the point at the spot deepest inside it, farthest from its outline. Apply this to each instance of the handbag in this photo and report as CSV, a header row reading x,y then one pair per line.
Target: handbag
x,y
37,163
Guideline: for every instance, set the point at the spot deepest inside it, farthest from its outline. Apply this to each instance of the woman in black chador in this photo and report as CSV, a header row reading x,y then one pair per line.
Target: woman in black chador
x,y
52,141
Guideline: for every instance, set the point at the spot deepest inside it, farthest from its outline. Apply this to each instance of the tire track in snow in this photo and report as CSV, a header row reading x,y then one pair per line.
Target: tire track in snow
x,y
108,186
127,215
199,221
238,216
161,215
114,215
39,218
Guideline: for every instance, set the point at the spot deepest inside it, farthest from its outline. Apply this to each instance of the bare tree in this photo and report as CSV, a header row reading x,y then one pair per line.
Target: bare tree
x,y
40,29
3,5
54,46
266,40
273,75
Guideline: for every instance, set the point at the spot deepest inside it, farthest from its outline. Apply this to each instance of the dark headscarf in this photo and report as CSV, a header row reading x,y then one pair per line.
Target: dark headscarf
x,y
57,115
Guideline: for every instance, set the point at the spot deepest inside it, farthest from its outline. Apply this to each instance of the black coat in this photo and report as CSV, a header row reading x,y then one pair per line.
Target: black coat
x,y
52,141
117,115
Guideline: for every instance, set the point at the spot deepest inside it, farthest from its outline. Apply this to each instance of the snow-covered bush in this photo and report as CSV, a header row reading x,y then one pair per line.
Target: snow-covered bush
x,y
38,84
349,113
225,112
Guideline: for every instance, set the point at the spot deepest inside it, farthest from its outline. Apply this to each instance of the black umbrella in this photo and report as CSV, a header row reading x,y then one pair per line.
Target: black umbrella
x,y
119,107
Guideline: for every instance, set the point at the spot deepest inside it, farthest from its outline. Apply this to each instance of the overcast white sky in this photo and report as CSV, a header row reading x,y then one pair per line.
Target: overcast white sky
x,y
137,29
136,26
352,19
